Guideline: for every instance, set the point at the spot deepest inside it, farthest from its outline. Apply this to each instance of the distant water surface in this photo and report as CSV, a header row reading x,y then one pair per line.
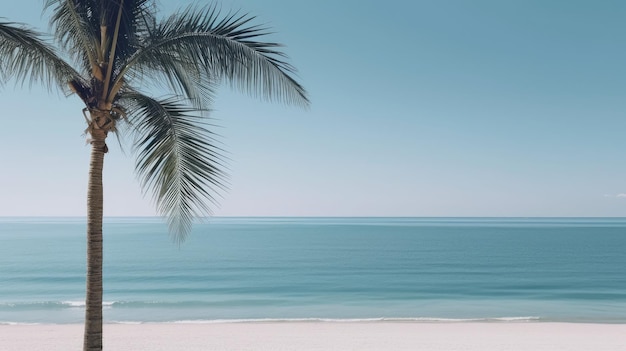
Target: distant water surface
x,y
235,269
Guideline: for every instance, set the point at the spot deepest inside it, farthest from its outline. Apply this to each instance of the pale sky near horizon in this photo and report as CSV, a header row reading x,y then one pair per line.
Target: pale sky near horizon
x,y
419,108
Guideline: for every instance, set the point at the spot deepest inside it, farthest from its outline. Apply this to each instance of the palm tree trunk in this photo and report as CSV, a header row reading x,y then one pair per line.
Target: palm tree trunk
x,y
93,304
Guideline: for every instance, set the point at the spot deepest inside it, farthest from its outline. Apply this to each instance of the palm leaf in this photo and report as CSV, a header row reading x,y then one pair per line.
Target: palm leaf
x,y
216,47
25,56
78,26
136,14
178,159
76,30
179,74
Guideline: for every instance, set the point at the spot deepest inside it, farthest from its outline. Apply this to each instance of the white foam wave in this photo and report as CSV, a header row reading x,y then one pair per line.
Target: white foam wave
x,y
82,303
360,320
17,323
73,303
515,319
322,320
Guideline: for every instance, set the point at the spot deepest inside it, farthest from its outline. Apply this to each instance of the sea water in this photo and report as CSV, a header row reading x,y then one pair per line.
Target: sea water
x,y
243,269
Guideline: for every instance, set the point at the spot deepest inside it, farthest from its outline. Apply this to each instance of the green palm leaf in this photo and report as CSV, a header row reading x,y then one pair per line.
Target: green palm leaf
x,y
215,47
73,27
178,159
27,57
79,25
181,75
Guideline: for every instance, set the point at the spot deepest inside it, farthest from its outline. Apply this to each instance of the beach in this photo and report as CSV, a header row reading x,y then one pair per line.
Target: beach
x,y
318,336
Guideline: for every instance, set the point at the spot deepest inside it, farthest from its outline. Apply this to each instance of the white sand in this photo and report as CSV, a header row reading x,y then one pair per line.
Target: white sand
x,y
325,336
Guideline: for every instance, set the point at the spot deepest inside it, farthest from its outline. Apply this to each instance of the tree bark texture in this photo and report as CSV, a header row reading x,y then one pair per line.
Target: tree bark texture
x,y
93,303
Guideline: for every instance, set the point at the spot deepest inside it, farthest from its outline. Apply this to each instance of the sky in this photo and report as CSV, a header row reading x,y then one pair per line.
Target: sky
x,y
419,108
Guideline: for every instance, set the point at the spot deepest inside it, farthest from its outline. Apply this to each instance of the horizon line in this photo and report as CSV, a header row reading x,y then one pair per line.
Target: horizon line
x,y
287,216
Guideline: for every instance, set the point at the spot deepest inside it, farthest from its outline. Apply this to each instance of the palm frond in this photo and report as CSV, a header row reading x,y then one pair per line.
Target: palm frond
x,y
136,15
182,76
76,29
221,48
78,26
25,56
178,158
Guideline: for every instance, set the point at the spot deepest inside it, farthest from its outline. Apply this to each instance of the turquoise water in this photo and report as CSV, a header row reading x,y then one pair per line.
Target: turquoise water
x,y
537,269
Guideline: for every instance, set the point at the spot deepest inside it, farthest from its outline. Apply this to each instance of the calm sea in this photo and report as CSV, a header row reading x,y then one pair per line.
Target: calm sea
x,y
495,269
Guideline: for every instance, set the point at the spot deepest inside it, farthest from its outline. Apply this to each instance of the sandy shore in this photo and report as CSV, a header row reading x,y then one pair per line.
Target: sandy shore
x,y
309,336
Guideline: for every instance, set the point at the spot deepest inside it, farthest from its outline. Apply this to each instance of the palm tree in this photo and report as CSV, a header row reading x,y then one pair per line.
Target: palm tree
x,y
114,53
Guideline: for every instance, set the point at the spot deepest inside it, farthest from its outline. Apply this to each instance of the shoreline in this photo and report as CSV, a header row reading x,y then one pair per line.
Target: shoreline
x,y
495,320
314,336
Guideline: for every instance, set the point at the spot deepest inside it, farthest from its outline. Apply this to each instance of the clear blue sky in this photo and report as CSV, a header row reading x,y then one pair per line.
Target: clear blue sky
x,y
419,108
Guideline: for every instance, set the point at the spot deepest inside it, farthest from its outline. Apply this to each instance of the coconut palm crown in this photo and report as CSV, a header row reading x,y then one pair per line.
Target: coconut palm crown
x,y
111,54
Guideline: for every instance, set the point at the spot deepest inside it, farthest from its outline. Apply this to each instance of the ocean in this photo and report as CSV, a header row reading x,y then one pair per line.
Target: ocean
x,y
318,269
